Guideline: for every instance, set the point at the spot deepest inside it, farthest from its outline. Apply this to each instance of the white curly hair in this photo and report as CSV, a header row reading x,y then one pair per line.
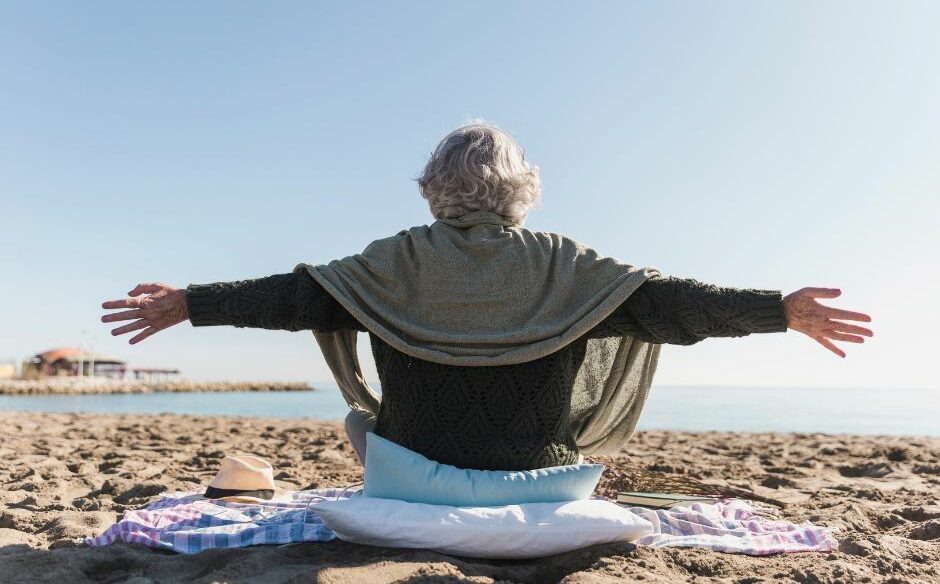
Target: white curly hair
x,y
480,167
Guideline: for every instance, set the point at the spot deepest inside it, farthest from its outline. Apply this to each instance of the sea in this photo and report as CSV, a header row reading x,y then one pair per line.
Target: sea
x,y
909,412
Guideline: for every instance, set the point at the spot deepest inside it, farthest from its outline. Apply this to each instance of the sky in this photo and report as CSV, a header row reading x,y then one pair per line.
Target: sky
x,y
746,144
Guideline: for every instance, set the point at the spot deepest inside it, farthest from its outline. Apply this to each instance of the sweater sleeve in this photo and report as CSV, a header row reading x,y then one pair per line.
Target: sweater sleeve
x,y
683,311
291,302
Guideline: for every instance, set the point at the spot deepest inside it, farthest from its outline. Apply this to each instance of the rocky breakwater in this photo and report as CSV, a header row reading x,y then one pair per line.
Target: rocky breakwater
x,y
93,385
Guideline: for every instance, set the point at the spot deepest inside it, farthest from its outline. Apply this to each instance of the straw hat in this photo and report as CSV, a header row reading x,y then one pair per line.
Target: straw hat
x,y
242,478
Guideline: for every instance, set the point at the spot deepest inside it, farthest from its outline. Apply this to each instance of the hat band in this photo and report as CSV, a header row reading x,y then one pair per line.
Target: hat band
x,y
214,493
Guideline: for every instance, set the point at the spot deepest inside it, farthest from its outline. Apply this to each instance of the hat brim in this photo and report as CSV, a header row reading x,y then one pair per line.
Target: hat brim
x,y
240,499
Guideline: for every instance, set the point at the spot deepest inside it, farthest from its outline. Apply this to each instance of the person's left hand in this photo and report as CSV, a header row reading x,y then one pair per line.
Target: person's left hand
x,y
162,307
823,323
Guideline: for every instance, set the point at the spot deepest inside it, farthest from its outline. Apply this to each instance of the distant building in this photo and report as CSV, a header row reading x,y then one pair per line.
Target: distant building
x,y
72,362
152,374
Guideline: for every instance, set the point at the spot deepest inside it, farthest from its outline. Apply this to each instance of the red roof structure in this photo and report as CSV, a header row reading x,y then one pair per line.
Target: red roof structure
x,y
72,361
73,354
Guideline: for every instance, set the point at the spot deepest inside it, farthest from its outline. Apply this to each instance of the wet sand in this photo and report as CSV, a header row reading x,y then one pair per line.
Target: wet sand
x,y
66,476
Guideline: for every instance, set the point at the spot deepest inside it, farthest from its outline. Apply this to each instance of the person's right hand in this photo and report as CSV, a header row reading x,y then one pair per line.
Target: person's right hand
x,y
162,307
821,323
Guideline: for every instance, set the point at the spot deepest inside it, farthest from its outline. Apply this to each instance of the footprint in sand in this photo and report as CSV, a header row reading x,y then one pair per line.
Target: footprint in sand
x,y
874,470
926,531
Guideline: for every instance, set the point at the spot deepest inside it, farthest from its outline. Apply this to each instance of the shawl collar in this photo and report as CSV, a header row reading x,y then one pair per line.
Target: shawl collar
x,y
478,218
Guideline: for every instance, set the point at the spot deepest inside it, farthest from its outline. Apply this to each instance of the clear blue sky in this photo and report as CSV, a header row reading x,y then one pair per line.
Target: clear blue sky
x,y
757,144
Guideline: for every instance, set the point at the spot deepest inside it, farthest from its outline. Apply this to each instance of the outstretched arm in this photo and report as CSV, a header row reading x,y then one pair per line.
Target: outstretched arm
x,y
283,302
684,311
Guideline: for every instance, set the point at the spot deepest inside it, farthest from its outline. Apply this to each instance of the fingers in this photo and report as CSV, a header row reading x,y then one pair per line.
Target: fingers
x,y
844,327
147,332
126,315
837,314
136,325
822,292
137,314
829,345
123,303
148,288
844,337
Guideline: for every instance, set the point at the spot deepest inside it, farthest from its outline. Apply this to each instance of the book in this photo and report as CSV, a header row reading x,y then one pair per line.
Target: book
x,y
661,500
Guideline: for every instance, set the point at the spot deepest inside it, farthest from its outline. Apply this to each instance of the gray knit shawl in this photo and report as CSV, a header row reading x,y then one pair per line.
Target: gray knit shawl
x,y
478,290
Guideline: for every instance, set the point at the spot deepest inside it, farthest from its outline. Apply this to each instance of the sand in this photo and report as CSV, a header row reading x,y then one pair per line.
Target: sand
x,y
65,476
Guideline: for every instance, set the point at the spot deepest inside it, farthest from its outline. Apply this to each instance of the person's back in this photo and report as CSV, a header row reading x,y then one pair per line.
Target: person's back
x,y
481,365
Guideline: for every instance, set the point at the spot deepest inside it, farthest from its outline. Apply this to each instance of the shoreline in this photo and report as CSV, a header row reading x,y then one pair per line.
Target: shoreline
x,y
249,418
104,386
71,475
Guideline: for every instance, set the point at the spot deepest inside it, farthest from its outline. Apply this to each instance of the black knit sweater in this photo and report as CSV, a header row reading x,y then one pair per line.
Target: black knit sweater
x,y
506,417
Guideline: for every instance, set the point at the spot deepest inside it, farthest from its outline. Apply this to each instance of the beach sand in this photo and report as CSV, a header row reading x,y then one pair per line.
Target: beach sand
x,y
65,476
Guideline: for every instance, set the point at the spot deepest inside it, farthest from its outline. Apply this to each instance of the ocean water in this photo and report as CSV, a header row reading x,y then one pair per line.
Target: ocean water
x,y
844,411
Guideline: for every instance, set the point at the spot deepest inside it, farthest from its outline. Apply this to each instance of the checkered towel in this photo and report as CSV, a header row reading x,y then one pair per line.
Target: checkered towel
x,y
731,526
188,523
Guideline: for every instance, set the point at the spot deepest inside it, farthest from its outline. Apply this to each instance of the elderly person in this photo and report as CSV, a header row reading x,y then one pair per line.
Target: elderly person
x,y
496,347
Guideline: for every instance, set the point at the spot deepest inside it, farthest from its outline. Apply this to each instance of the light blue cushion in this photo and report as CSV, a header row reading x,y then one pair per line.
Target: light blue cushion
x,y
394,472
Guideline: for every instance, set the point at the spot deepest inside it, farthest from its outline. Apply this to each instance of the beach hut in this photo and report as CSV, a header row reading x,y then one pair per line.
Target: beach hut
x,y
73,362
152,374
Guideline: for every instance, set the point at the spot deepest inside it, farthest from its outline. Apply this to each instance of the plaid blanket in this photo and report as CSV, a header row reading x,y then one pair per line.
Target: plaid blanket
x,y
189,524
732,527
